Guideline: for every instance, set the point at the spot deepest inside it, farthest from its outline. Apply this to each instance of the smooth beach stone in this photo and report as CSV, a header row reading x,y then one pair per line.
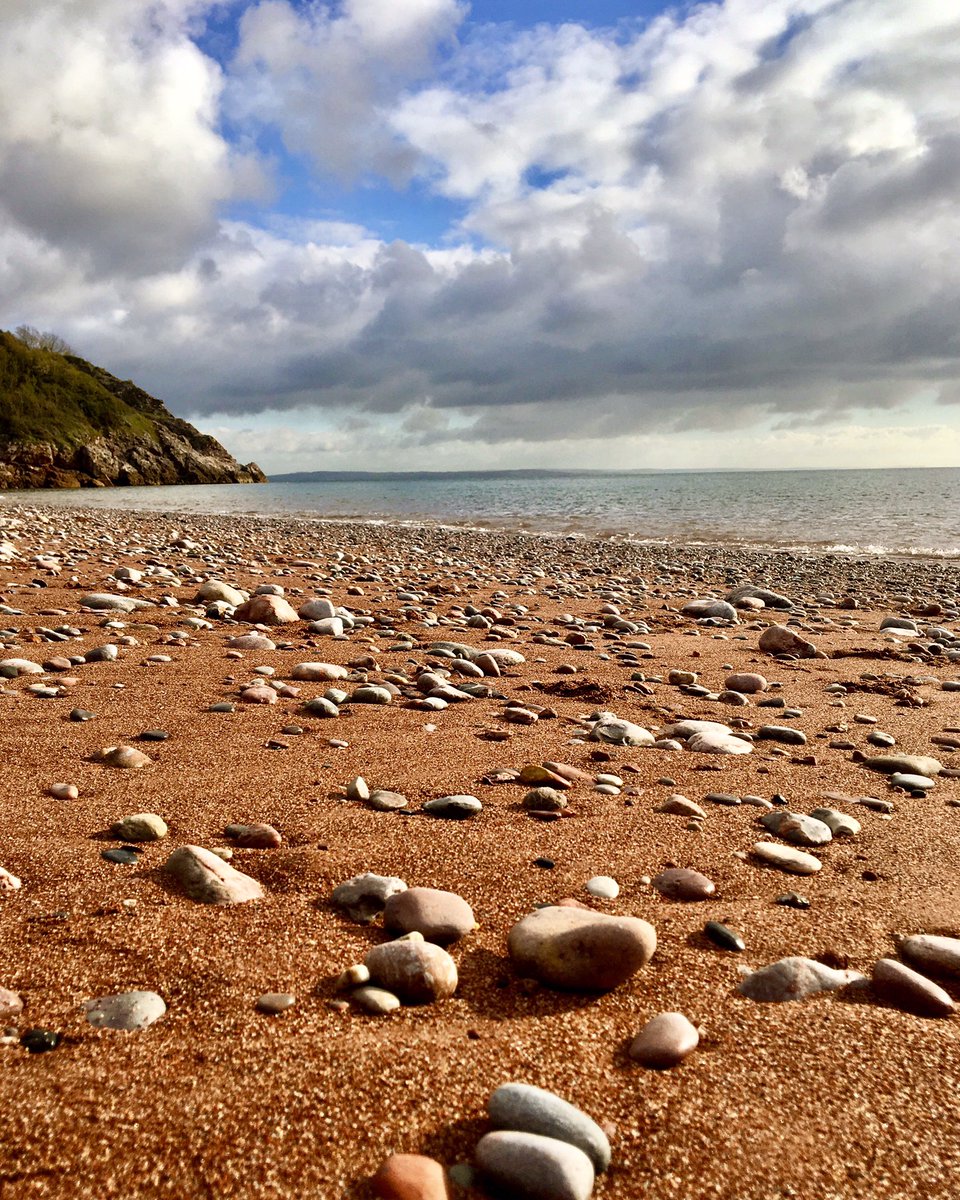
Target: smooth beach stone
x,y
107,602
415,970
603,887
140,827
747,683
906,764
410,1177
274,1003
378,1002
932,952
369,694
778,639
682,807
440,916
12,667
254,837
207,879
453,808
63,791
912,783
81,714
40,1041
797,828
617,732
127,758
386,801
108,653
535,1167
579,949
259,694
544,799
266,610
527,1109
700,609
905,988
839,824
681,883
786,858
793,900
11,1006
318,609
124,856
327,627
127,1010
665,1041
794,979
783,734
766,597
717,741
251,641
724,937
318,672
319,706
212,590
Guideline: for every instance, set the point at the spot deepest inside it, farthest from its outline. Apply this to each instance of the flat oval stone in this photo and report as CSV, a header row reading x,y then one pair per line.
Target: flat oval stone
x,y
207,879
907,764
528,1109
440,916
410,1177
63,791
413,969
124,856
724,937
932,952
603,887
254,837
617,732
378,1002
535,1167
682,807
124,757
681,883
840,824
579,949
274,1003
664,1041
908,989
796,862
748,683
912,783
797,828
453,808
140,827
127,1010
319,672
386,801
793,979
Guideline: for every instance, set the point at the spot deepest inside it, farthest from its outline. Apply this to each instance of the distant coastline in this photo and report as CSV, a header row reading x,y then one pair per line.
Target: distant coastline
x,y
559,473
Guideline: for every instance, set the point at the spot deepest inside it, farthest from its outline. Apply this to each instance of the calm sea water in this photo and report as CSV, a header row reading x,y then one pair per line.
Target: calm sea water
x,y
905,511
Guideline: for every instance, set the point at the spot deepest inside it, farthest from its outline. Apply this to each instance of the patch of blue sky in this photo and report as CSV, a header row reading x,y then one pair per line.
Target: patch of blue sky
x,y
524,14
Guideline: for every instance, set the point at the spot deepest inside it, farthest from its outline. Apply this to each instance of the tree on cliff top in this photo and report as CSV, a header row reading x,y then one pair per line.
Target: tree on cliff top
x,y
38,340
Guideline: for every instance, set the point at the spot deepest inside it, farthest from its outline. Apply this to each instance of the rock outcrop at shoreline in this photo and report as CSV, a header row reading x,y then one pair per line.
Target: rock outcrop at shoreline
x,y
65,423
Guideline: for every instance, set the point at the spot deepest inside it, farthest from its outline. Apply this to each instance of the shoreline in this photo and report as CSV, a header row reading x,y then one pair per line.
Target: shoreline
x,y
218,1098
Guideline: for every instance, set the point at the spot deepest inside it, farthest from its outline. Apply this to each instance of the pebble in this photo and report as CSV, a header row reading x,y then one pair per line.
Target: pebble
x,y
40,1041
523,1108
665,1041
603,887
128,1011
274,1003
410,1177
413,969
614,731
453,808
681,883
11,1006
378,1002
63,791
724,937
266,610
908,989
578,949
140,827
786,858
386,801
544,799
797,828
535,1167
906,764
127,758
794,979
441,917
364,897
124,856
839,824
793,900
682,807
933,953
254,837
207,879
777,639
746,682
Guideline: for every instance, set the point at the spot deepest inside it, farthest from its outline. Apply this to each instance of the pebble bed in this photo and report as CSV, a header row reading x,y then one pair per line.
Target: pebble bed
x,y
341,860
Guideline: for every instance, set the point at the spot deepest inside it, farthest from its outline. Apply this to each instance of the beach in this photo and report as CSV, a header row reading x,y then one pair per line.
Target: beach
x,y
842,1094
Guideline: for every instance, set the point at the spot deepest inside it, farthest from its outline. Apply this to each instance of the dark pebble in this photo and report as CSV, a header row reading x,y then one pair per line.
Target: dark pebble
x,y
793,900
723,936
39,1041
81,714
224,706
154,735
124,855
547,863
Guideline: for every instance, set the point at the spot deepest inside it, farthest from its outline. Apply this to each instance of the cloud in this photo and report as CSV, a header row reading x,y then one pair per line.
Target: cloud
x,y
735,215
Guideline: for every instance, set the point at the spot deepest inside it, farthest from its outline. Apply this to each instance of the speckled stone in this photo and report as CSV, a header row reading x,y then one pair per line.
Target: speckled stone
x,y
413,969
794,979
940,955
206,878
128,1011
665,1041
140,827
535,1167
681,883
580,950
274,1003
795,862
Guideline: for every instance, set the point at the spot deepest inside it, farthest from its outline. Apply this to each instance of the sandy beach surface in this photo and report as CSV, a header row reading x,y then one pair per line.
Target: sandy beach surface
x,y
842,1094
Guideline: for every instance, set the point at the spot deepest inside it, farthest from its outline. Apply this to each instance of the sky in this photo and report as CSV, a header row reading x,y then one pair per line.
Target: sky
x,y
441,234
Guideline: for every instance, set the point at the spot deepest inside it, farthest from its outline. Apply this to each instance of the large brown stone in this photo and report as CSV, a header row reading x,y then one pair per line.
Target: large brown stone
x,y
208,879
580,950
440,916
411,1177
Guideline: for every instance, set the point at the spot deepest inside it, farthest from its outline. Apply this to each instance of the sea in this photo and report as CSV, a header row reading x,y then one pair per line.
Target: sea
x,y
903,512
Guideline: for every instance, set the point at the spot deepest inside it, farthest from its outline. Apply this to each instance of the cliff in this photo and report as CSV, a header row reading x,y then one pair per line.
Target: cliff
x,y
65,423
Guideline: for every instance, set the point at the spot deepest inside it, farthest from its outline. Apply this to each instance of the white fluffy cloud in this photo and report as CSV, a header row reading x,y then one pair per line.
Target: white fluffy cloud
x,y
738,215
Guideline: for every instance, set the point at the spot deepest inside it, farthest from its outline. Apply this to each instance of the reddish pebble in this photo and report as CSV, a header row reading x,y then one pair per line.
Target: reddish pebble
x,y
679,883
254,837
665,1041
411,1177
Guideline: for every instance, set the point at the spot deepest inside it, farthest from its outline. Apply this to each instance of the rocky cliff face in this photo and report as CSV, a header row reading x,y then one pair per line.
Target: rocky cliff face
x,y
112,433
